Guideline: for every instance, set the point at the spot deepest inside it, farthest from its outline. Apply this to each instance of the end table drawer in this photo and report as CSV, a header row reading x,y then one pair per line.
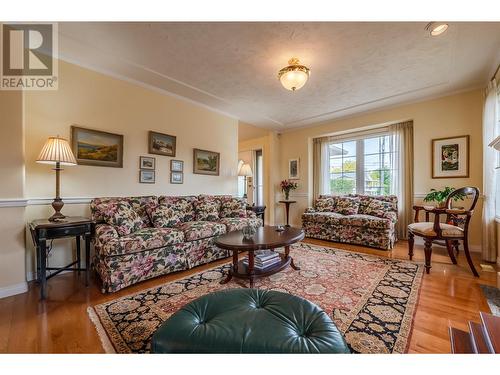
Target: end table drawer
x,y
69,231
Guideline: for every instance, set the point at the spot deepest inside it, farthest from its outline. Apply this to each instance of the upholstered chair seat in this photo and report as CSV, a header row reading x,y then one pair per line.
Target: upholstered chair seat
x,y
427,229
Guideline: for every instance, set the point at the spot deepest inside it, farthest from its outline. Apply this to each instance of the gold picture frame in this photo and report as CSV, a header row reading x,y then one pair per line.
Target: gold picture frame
x,y
162,144
97,148
206,162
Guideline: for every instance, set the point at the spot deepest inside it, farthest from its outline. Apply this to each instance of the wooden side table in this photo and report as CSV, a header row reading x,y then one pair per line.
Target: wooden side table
x,y
259,211
43,230
287,209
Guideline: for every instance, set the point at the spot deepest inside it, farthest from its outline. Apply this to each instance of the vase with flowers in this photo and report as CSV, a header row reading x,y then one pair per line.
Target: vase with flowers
x,y
287,186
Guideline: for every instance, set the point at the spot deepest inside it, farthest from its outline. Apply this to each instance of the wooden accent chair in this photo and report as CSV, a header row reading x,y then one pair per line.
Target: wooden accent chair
x,y
454,230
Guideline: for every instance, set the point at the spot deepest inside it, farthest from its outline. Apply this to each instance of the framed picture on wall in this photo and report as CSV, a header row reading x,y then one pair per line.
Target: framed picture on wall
x,y
206,162
162,144
176,166
293,169
450,157
147,162
176,178
97,148
147,177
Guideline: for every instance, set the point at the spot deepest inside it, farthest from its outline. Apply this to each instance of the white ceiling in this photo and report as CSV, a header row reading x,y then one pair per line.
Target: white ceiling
x,y
232,67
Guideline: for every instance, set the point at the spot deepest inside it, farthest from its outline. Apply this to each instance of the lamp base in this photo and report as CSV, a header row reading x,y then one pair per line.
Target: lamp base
x,y
57,205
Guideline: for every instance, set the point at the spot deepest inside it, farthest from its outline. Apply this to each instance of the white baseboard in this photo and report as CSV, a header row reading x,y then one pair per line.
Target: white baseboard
x,y
12,290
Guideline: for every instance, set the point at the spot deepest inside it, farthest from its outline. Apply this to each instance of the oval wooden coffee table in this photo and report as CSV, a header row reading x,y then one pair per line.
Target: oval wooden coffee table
x,y
265,238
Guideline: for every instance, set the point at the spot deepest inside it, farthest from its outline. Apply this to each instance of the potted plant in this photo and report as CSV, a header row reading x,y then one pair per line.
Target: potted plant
x,y
439,196
287,186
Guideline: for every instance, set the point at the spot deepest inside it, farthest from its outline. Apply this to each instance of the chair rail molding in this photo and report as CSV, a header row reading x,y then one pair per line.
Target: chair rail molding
x,y
23,202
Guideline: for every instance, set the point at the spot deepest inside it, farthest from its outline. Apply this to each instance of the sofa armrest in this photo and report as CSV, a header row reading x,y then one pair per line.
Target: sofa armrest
x,y
105,233
309,210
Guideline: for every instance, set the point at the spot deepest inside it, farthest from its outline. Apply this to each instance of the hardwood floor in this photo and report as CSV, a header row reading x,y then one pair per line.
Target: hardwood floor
x,y
450,296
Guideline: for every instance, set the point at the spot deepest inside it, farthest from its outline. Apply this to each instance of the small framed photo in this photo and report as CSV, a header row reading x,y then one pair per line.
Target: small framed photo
x,y
176,178
293,169
146,177
450,157
162,144
147,162
176,166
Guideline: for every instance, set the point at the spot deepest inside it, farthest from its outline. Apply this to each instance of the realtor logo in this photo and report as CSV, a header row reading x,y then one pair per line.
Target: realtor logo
x,y
29,56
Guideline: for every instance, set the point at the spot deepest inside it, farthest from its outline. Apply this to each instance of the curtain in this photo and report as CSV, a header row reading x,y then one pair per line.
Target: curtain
x,y
402,167
490,131
321,167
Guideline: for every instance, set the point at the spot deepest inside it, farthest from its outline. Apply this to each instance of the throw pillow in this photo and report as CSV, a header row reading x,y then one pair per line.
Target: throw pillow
x,y
182,205
164,215
122,217
233,207
347,205
207,208
378,208
325,204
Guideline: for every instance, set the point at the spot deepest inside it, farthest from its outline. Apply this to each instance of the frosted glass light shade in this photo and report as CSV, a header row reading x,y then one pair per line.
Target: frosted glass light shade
x,y
245,170
56,150
294,76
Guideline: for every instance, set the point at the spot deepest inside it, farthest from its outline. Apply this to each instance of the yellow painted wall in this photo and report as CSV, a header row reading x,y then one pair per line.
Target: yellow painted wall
x,y
93,100
448,116
12,246
248,131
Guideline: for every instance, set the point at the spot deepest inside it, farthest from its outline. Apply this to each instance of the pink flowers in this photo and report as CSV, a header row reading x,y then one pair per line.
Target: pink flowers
x,y
287,186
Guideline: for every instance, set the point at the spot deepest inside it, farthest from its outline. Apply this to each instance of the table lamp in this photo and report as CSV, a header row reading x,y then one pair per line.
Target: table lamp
x,y
57,151
245,171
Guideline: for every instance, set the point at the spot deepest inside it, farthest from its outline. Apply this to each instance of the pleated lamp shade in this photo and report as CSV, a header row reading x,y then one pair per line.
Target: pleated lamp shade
x,y
245,170
56,150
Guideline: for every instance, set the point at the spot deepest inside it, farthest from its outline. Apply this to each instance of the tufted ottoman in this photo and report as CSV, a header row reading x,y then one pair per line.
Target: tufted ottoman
x,y
249,321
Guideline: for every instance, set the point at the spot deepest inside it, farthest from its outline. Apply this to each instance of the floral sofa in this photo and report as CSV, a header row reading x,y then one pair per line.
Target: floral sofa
x,y
356,219
138,238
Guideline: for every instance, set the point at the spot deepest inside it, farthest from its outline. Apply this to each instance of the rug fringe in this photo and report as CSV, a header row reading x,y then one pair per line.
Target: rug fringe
x,y
101,332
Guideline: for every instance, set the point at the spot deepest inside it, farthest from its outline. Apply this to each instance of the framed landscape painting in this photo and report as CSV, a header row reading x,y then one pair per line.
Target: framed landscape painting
x,y
147,162
146,176
97,148
162,144
206,162
450,157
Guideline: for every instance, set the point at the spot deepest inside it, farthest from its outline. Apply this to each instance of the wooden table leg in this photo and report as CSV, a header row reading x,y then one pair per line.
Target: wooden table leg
x,y
87,259
250,269
78,255
234,268
42,247
287,209
287,255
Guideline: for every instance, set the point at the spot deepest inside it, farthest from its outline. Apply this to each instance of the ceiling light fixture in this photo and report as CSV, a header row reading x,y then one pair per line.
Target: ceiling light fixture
x,y
436,28
294,76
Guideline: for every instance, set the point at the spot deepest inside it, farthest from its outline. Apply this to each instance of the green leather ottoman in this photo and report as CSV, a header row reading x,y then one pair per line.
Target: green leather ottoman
x,y
249,321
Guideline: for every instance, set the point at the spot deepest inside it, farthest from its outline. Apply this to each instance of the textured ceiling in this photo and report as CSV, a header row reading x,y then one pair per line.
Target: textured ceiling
x,y
232,67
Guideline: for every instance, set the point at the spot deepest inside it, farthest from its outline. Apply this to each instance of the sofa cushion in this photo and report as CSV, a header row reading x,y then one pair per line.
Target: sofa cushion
x,y
238,223
197,230
164,215
357,220
233,207
138,204
325,204
346,205
377,208
122,217
365,200
207,208
143,239
182,205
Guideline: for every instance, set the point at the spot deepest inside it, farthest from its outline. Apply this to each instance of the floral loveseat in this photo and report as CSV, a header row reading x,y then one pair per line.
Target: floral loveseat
x,y
138,238
357,219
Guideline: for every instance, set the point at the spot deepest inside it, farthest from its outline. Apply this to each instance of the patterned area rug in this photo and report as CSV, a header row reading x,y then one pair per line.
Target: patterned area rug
x,y
371,299
492,295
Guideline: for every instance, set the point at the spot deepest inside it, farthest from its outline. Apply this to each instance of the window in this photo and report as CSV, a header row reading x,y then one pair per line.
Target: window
x,y
362,166
259,178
